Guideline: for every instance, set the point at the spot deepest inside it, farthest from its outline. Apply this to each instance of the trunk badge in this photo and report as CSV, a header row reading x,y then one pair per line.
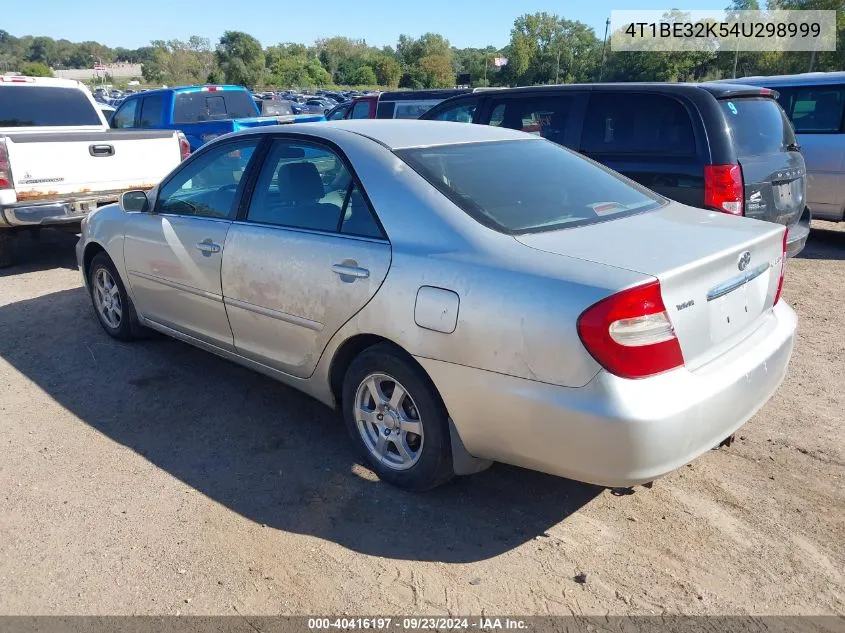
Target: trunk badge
x,y
744,260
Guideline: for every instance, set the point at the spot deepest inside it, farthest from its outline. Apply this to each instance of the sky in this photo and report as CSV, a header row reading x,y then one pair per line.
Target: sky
x,y
464,23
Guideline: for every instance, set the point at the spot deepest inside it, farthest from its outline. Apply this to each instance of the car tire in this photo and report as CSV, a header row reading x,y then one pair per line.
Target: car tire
x,y
414,461
7,248
112,305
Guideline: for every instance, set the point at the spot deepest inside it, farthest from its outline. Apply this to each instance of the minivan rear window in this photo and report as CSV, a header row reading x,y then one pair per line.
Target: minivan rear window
x,y
758,126
193,107
526,186
33,106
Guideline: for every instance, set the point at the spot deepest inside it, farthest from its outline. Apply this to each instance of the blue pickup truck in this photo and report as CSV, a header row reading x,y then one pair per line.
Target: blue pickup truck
x,y
201,113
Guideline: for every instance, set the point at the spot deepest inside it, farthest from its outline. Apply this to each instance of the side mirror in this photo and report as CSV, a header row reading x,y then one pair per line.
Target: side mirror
x,y
134,201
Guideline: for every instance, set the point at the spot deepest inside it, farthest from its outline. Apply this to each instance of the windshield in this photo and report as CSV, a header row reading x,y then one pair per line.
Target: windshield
x,y
758,126
32,106
526,186
207,105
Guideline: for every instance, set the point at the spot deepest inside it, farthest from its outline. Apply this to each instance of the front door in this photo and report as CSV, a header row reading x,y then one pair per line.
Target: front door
x,y
174,253
306,258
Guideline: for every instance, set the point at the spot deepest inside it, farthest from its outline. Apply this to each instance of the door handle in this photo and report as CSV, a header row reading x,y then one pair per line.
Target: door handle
x,y
345,270
101,150
207,247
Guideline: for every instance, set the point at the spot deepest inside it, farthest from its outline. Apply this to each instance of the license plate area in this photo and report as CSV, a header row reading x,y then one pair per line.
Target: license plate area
x,y
736,310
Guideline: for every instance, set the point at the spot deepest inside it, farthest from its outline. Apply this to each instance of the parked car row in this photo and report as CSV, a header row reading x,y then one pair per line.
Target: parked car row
x,y
566,285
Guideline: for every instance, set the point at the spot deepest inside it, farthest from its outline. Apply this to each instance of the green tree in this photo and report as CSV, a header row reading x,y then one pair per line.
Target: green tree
x,y
43,50
387,71
438,71
36,69
241,59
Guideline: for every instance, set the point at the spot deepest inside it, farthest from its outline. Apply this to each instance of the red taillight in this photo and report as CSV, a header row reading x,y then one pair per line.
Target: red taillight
x,y
5,167
17,79
184,145
630,333
210,88
723,188
782,267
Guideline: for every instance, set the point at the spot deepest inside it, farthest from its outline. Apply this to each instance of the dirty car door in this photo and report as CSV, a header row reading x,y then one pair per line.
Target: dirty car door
x,y
173,254
308,255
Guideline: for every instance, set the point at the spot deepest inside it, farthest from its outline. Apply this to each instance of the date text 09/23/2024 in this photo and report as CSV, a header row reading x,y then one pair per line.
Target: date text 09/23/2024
x,y
417,623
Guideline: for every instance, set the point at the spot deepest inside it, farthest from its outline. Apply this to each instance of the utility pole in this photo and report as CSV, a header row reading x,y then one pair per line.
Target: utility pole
x,y
604,48
557,72
736,59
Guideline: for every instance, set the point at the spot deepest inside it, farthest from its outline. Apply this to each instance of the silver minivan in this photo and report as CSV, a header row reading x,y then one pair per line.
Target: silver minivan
x,y
815,103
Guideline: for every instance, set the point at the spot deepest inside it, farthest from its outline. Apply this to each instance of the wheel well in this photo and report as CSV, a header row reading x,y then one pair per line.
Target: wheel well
x,y
90,252
348,350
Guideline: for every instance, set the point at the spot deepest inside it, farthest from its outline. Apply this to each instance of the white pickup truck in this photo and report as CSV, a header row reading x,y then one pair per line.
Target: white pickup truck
x,y
59,159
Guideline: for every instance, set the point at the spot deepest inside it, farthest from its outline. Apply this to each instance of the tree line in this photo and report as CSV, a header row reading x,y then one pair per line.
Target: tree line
x,y
543,48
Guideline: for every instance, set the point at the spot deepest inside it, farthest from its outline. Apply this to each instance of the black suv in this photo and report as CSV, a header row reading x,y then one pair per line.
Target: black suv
x,y
716,146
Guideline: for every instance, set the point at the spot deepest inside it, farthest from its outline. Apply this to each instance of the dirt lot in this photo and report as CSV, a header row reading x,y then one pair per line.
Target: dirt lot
x,y
156,478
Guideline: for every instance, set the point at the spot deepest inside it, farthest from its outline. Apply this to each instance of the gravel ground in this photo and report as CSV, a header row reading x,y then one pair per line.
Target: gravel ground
x,y
154,478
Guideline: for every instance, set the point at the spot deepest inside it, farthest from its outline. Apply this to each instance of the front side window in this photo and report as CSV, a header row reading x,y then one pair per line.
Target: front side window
x,y
620,122
339,113
525,186
361,110
208,185
309,187
125,116
460,112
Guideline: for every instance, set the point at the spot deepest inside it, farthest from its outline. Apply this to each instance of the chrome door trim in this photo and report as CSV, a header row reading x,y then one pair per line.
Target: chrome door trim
x,y
275,314
297,229
177,286
735,282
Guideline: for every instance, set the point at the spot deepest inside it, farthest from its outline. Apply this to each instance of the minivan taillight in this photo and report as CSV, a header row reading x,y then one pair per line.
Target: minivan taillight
x,y
782,267
184,145
723,190
630,334
5,167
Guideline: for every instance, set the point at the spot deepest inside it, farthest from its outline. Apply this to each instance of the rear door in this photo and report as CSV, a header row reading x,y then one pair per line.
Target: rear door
x,y
816,113
307,256
773,169
649,137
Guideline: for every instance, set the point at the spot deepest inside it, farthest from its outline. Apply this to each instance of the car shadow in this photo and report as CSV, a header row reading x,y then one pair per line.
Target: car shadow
x,y
262,449
824,243
45,250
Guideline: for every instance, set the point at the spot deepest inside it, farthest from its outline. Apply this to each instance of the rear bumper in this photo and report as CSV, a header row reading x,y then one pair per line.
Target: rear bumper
x,y
52,212
798,234
613,431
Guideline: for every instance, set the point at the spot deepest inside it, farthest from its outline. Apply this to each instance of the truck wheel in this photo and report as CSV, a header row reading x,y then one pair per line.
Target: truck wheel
x,y
6,248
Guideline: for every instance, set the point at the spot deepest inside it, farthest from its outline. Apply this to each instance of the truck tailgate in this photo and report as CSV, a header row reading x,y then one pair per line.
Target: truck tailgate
x,y
47,165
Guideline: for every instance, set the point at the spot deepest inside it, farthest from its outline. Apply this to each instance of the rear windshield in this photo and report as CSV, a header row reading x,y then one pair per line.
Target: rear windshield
x,y
758,126
193,107
32,106
276,108
528,186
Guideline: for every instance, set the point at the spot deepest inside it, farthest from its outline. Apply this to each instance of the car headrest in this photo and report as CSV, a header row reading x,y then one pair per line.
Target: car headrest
x,y
300,182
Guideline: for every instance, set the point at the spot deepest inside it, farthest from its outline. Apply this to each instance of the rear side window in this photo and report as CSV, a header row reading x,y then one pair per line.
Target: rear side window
x,y
33,106
814,110
384,109
412,109
637,124
757,125
528,185
194,107
540,115
151,111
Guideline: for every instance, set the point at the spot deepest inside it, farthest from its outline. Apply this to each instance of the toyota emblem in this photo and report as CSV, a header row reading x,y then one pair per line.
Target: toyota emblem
x,y
744,260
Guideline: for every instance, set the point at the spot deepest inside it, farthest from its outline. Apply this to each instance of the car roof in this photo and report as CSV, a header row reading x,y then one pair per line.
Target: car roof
x,y
25,80
718,90
148,93
405,133
801,79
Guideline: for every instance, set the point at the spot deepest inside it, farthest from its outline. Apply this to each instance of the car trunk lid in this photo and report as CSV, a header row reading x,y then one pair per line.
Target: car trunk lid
x,y
718,274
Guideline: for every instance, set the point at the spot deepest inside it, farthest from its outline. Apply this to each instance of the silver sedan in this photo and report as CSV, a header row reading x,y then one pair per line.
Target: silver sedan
x,y
463,294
